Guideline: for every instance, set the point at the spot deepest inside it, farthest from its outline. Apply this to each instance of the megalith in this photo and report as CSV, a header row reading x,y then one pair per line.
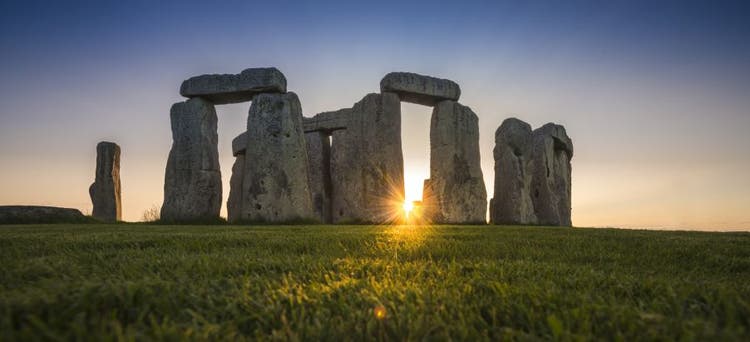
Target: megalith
x,y
234,201
552,150
512,202
275,185
455,191
319,165
105,191
367,164
192,184
420,89
234,88
532,175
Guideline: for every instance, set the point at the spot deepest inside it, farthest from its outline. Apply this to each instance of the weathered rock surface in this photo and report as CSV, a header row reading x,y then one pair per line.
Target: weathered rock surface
x,y
276,181
319,164
192,183
367,164
234,88
532,175
29,214
456,192
105,191
239,144
326,122
420,89
551,171
234,201
512,202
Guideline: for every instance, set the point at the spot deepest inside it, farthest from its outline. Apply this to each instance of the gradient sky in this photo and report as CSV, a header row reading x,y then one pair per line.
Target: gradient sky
x,y
655,94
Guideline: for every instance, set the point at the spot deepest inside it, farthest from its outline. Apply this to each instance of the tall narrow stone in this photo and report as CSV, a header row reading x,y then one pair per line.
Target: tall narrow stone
x,y
456,184
105,191
192,184
234,202
367,164
512,202
319,164
552,150
276,181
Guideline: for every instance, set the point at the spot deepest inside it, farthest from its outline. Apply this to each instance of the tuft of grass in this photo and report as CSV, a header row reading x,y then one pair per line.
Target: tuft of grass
x,y
126,281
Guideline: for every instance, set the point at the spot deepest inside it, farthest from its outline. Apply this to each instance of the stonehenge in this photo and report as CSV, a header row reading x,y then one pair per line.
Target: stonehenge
x,y
456,191
105,191
224,89
275,184
347,165
532,175
192,181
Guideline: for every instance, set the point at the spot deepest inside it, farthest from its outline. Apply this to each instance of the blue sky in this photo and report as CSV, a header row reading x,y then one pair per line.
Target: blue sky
x,y
654,94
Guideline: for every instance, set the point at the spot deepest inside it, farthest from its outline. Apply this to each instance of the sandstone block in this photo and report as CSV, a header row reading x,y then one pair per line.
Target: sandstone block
x,y
456,186
420,89
234,88
192,182
276,180
367,164
105,191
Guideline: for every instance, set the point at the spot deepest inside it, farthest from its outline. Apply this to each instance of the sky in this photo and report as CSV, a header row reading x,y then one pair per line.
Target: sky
x,y
654,94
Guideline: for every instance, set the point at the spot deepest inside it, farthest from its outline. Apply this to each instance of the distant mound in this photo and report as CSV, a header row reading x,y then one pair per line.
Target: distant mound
x,y
26,214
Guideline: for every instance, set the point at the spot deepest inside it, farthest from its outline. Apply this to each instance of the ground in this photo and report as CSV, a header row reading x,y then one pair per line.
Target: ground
x,y
371,282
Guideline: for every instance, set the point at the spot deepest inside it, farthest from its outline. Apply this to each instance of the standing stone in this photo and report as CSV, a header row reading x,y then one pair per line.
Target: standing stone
x,y
234,202
105,191
192,184
552,150
420,89
367,164
319,164
276,182
456,185
512,202
231,88
532,175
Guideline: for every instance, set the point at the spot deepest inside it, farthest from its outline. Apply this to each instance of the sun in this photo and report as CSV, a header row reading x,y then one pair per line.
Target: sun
x,y
408,206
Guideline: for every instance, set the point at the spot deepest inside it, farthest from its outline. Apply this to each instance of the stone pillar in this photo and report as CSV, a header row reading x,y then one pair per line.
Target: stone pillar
x,y
319,165
105,191
456,185
234,202
367,164
552,150
512,202
192,184
532,175
276,182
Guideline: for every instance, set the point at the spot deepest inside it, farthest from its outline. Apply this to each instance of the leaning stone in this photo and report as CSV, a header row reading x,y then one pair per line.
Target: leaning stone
x,y
420,89
30,214
234,88
319,165
276,181
550,168
512,202
192,182
367,164
105,191
456,184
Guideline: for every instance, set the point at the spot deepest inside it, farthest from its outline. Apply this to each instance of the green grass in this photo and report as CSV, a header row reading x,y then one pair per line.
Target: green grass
x,y
127,281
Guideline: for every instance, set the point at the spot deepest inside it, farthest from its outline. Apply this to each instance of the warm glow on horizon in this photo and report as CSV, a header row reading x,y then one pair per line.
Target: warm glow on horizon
x,y
408,206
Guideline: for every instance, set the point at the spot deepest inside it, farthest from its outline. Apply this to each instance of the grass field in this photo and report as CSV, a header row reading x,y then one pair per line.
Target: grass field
x,y
133,281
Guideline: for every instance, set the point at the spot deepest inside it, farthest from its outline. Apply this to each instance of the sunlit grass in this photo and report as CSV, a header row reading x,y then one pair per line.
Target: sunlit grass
x,y
402,282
